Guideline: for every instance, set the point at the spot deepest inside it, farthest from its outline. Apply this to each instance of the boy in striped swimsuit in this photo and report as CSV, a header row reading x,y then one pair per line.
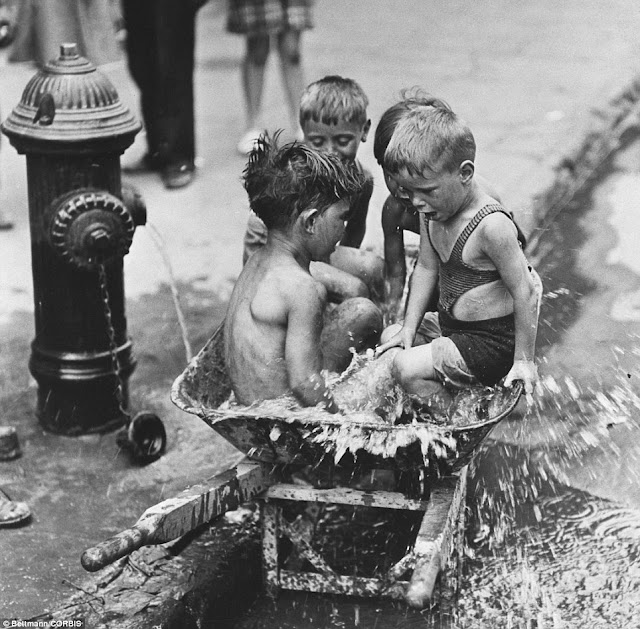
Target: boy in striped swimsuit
x,y
487,319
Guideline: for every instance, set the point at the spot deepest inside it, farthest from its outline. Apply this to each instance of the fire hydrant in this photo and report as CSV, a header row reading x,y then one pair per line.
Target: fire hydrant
x,y
72,127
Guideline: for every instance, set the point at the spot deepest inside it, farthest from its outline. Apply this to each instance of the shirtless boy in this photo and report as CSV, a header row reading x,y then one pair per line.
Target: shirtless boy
x,y
487,319
275,343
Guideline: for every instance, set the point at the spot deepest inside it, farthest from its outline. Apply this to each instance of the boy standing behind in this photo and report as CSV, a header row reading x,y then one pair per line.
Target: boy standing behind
x,y
274,338
487,317
333,118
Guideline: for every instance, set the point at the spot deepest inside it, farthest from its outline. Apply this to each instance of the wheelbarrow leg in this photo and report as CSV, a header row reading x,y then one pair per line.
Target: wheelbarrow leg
x,y
436,542
270,516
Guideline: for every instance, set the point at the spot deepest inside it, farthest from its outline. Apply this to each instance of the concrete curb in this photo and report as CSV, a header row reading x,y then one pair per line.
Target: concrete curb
x,y
210,577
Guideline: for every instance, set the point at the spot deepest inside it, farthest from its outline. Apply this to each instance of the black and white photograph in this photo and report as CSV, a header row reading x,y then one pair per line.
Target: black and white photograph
x,y
320,314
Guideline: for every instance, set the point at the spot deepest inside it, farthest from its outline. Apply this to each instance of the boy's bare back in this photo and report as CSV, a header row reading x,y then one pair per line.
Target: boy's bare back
x,y
274,321
276,303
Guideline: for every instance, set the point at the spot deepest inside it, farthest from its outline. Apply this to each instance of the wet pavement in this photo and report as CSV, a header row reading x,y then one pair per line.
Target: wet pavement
x,y
536,84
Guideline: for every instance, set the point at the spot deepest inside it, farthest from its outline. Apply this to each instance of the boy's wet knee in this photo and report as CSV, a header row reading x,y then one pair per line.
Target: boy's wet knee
x,y
354,325
389,332
398,369
359,290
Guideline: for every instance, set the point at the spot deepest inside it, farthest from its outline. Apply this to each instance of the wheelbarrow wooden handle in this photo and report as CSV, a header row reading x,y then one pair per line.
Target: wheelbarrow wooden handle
x,y
178,516
112,549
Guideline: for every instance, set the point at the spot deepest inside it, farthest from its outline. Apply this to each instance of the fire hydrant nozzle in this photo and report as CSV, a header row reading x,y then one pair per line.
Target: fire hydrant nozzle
x,y
90,227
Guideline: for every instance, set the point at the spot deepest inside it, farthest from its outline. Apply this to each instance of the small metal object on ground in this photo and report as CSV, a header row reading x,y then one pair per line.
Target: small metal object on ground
x,y
9,444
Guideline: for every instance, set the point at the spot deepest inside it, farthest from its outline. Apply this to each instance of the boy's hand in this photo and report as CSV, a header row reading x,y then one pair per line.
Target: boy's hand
x,y
526,371
404,338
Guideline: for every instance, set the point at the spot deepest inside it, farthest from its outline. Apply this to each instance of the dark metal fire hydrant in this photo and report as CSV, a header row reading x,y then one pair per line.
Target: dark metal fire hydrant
x,y
72,127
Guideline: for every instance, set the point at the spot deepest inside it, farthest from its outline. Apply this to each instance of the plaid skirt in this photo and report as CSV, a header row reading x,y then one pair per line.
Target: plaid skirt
x,y
268,17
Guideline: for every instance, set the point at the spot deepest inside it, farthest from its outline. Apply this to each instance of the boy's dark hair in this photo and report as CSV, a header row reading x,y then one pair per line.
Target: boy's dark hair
x,y
284,181
333,99
411,98
429,139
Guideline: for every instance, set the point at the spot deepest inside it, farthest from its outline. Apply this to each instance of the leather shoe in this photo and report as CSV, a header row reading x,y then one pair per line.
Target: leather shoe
x,y
178,175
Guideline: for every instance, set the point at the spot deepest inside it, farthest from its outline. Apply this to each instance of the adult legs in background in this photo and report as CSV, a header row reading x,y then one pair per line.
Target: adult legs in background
x,y
292,75
160,47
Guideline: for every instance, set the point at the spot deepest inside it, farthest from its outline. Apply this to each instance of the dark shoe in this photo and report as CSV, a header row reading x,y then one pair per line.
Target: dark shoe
x,y
178,175
146,164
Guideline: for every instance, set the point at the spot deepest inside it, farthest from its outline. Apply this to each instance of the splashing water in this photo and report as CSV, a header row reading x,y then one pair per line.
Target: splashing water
x,y
545,554
381,419
372,401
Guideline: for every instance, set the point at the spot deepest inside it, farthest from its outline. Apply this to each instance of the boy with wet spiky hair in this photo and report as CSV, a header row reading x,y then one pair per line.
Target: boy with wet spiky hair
x,y
333,119
275,340
487,319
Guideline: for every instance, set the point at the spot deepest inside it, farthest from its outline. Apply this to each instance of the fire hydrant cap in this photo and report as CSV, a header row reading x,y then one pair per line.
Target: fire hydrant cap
x,y
70,101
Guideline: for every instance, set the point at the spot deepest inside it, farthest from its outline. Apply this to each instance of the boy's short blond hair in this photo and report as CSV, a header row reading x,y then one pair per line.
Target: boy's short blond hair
x,y
429,138
334,99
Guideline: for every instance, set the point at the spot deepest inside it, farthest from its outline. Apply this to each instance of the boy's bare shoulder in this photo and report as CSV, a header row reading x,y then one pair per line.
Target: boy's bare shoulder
x,y
298,286
498,228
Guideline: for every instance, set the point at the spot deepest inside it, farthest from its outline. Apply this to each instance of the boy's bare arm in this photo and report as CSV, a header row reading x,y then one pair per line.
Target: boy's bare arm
x,y
357,223
395,265
500,244
423,284
302,345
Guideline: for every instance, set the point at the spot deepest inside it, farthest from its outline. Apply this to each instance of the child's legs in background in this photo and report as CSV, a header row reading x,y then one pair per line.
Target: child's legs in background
x,y
292,73
253,69
353,325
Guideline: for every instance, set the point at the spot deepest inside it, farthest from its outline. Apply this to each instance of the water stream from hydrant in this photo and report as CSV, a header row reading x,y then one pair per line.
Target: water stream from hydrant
x,y
111,333
145,435
158,241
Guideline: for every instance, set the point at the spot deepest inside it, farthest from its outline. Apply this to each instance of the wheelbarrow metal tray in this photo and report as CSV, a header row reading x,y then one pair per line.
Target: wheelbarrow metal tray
x,y
291,437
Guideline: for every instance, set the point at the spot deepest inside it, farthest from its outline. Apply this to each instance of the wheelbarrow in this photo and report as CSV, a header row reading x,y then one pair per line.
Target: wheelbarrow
x,y
277,442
